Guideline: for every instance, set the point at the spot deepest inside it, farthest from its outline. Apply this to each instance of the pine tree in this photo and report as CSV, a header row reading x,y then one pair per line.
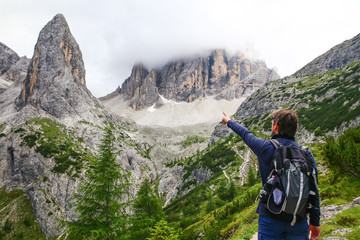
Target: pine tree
x,y
251,177
211,204
147,211
100,200
162,231
233,192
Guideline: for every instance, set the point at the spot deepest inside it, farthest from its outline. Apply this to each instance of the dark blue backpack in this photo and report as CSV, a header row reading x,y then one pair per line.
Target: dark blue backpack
x,y
287,192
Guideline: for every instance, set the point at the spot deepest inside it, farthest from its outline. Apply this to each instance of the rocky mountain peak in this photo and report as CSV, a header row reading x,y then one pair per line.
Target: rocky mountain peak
x,y
140,88
55,80
132,84
217,74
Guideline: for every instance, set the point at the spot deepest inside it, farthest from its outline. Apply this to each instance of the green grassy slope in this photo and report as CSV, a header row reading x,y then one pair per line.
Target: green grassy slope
x,y
324,102
17,220
203,211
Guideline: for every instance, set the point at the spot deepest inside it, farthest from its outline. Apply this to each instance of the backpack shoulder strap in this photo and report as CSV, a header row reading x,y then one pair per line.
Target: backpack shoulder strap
x,y
276,143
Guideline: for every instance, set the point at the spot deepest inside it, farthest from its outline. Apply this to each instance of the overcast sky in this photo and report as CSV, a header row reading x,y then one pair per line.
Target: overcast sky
x,y
115,34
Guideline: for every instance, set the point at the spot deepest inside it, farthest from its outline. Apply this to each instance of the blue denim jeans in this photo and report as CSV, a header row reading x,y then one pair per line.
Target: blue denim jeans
x,y
273,229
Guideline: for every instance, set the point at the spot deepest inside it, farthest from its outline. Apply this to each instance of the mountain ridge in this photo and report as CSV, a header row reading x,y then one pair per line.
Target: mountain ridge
x,y
218,74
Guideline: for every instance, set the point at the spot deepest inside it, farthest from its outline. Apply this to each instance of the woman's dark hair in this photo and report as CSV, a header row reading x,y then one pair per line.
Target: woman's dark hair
x,y
287,121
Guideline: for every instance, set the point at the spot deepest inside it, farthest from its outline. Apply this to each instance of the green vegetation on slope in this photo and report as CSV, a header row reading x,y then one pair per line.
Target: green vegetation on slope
x,y
191,140
343,155
54,140
222,222
339,185
323,101
332,101
17,220
218,156
344,225
220,198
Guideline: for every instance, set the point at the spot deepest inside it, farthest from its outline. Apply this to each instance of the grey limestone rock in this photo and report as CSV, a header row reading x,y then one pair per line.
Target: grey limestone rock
x,y
55,80
13,68
140,88
7,58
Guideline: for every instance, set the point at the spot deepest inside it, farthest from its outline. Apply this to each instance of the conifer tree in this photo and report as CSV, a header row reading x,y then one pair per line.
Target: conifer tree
x,y
162,231
227,192
251,177
147,211
233,192
101,197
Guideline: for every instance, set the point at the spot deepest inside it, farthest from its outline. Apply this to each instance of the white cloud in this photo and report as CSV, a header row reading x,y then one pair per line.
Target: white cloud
x,y
113,35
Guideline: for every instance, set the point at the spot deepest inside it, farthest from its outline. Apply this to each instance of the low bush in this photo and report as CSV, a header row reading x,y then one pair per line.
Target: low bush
x,y
343,155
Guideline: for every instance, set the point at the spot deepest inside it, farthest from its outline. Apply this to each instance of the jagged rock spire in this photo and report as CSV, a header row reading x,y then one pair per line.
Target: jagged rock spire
x,y
140,88
55,81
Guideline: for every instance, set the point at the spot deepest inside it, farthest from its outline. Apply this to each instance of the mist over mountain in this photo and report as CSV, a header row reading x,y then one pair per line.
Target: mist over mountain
x,y
219,74
189,90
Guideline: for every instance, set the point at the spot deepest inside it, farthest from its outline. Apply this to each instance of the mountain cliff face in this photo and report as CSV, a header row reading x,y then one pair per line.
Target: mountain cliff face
x,y
55,80
140,88
218,74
